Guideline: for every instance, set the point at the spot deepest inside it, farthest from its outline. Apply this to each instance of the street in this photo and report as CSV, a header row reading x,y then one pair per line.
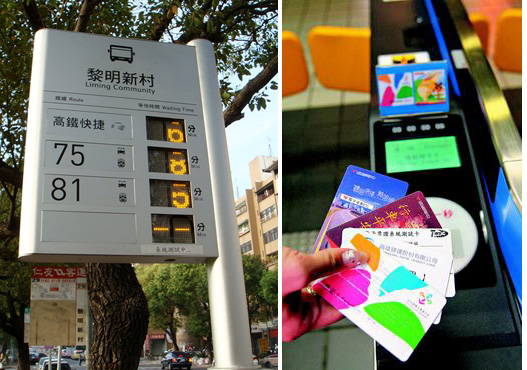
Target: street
x,y
146,365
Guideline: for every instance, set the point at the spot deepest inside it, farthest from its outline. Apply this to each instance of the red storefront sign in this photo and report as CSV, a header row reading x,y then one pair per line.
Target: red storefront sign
x,y
58,272
157,336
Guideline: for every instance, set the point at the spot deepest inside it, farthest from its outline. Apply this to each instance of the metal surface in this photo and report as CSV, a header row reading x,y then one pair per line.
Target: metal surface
x,y
491,333
505,136
228,303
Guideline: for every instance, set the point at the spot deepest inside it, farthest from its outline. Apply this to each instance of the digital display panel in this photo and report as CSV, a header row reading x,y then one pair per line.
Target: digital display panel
x,y
422,154
172,229
166,193
165,160
163,129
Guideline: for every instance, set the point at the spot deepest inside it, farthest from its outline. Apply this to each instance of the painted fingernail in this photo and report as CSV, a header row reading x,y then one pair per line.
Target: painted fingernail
x,y
352,258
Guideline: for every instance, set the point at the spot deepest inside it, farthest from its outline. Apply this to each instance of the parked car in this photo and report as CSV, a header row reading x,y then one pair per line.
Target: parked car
x,y
63,366
35,357
41,362
176,360
270,361
54,364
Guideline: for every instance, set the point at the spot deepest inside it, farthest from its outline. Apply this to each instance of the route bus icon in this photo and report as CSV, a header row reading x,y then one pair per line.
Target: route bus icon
x,y
121,53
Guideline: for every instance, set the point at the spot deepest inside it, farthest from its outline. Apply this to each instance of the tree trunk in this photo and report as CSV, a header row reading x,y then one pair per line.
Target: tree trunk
x,y
23,354
120,316
210,349
173,334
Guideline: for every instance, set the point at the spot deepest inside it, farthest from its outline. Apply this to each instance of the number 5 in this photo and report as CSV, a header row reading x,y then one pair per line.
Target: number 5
x,y
74,153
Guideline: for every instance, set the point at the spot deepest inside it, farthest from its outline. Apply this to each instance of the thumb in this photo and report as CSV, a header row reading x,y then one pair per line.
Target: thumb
x,y
332,259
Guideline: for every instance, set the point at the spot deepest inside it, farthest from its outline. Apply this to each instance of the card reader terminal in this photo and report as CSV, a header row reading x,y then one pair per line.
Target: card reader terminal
x,y
432,155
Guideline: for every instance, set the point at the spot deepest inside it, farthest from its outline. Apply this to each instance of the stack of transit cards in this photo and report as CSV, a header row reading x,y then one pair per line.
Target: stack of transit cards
x,y
402,291
383,298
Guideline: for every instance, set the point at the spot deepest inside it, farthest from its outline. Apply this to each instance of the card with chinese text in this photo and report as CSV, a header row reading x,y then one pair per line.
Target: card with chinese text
x,y
436,239
384,299
412,211
360,192
428,264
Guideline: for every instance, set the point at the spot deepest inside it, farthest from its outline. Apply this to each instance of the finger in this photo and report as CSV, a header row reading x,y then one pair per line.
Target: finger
x,y
332,259
298,269
326,316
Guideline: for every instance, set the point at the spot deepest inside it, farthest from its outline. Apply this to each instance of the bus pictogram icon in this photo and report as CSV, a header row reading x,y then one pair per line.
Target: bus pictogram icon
x,y
121,53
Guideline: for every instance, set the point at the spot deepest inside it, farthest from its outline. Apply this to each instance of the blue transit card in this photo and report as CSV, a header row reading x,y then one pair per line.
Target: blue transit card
x,y
419,88
360,191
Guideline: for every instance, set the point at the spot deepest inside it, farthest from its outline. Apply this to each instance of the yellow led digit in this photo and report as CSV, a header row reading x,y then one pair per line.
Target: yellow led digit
x,y
175,132
166,193
165,129
178,167
180,199
175,135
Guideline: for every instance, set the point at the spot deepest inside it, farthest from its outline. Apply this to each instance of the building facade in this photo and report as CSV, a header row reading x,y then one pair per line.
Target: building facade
x,y
257,218
257,211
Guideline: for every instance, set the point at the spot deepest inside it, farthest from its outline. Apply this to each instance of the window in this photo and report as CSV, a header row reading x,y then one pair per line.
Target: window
x,y
246,247
262,194
243,228
240,208
270,235
268,213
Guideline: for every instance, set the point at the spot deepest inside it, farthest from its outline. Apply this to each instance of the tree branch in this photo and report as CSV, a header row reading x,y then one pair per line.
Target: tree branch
x,y
167,17
85,14
33,15
234,111
10,175
8,233
163,24
259,8
236,13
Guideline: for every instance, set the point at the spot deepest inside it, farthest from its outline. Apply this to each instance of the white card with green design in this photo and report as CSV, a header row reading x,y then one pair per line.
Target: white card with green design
x,y
384,299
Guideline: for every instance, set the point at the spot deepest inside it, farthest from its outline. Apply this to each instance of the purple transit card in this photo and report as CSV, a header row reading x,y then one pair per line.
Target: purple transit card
x,y
412,211
360,191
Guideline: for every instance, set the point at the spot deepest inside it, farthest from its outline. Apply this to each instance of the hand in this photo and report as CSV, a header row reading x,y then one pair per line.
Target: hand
x,y
301,312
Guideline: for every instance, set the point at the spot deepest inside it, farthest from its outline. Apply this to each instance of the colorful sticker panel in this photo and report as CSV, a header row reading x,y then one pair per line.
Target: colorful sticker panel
x,y
419,88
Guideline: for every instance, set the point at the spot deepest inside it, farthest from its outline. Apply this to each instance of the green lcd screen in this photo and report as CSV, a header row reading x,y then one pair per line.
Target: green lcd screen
x,y
422,154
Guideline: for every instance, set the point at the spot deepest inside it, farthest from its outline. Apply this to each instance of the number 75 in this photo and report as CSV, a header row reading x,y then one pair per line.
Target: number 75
x,y
77,155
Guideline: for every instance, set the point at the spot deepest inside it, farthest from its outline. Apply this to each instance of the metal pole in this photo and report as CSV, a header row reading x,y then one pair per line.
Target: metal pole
x,y
59,360
49,358
89,333
228,303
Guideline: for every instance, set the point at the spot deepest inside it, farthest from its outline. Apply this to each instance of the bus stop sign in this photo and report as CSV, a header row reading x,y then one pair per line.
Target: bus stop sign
x,y
116,167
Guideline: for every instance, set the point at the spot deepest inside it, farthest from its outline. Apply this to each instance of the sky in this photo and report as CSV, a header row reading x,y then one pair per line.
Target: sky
x,y
250,137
